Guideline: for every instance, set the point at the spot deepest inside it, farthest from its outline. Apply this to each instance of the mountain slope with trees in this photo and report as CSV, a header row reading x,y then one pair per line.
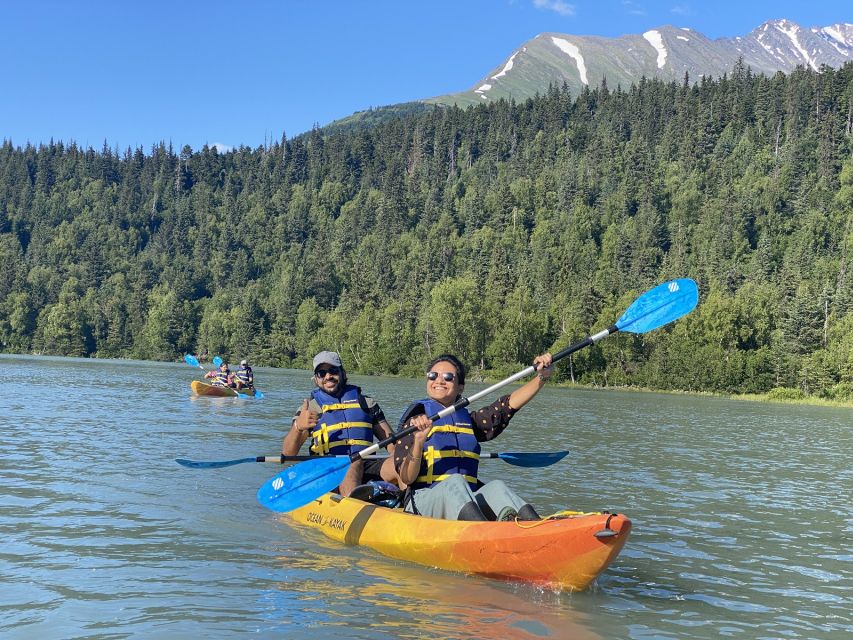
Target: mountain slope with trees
x,y
495,232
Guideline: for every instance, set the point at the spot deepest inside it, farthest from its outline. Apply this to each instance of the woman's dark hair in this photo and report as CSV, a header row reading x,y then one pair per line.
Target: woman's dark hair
x,y
446,357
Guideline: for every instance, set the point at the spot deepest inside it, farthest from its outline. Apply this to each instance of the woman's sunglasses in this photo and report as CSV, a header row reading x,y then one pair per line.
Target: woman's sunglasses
x,y
447,375
332,371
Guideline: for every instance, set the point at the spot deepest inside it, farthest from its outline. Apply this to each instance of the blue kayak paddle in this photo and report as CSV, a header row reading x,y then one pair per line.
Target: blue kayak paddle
x,y
515,458
193,362
304,482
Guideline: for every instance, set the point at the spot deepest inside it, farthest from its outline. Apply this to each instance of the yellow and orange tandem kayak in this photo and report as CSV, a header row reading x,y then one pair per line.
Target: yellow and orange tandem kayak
x,y
566,551
203,389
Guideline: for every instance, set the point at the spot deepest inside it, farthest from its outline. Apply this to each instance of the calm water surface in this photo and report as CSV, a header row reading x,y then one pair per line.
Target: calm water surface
x,y
742,517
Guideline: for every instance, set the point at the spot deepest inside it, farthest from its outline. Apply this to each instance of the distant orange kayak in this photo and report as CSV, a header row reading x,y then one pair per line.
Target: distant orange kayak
x,y
567,551
204,389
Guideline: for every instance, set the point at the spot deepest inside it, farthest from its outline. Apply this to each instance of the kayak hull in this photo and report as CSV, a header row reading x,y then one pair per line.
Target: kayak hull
x,y
563,553
203,389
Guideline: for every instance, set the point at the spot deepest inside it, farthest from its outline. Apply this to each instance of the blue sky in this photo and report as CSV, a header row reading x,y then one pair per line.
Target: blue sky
x,y
239,73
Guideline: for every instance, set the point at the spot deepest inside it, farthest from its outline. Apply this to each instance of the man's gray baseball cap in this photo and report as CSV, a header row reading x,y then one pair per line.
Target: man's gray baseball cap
x,y
327,357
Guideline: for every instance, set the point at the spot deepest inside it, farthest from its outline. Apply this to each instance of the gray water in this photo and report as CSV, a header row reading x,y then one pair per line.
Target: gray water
x,y
742,517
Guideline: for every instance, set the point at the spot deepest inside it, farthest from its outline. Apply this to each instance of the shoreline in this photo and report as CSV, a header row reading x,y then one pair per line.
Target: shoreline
x,y
745,397
489,379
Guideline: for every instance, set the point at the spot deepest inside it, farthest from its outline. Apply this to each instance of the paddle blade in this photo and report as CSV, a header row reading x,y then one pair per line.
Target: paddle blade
x,y
299,485
200,464
525,459
258,394
659,306
192,360
217,361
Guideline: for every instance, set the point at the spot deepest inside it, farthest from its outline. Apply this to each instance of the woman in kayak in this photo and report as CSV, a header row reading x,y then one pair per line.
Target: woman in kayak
x,y
439,461
222,377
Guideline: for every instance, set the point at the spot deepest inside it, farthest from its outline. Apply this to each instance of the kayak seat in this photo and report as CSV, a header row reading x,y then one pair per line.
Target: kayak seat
x,y
378,492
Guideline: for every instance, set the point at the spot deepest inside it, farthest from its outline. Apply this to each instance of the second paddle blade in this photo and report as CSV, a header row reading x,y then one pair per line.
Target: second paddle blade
x,y
297,486
525,459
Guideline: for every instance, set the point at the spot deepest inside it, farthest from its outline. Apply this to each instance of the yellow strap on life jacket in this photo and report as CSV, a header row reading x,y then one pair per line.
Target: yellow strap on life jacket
x,y
432,454
339,406
341,443
431,478
452,428
321,437
344,425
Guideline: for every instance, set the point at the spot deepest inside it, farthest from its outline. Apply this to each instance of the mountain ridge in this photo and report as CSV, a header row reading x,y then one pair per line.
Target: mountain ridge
x,y
665,52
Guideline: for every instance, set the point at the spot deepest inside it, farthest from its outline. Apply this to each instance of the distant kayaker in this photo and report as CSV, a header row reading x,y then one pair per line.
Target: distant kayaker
x,y
244,377
221,377
340,421
439,462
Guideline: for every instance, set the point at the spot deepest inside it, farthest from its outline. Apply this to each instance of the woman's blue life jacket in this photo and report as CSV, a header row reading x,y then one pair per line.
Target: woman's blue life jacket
x,y
450,448
220,378
344,426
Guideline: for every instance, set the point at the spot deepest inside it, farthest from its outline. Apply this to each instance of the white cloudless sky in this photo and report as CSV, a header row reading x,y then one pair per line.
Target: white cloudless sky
x,y
197,72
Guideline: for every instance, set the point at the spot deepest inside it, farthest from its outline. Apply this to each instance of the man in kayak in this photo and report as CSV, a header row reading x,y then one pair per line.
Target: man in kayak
x,y
244,377
439,461
221,377
340,421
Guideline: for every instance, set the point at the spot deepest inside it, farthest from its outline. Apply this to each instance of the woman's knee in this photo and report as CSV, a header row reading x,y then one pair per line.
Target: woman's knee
x,y
457,480
497,485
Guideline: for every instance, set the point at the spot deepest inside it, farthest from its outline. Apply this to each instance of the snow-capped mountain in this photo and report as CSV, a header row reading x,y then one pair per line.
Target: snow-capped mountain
x,y
666,52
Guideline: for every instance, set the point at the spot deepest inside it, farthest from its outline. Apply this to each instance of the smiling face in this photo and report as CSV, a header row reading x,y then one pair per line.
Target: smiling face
x,y
440,389
328,378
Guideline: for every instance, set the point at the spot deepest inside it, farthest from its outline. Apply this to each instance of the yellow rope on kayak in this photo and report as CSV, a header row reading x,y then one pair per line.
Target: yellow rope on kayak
x,y
560,515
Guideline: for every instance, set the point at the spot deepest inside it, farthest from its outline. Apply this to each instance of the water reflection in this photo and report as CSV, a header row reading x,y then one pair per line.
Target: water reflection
x,y
425,603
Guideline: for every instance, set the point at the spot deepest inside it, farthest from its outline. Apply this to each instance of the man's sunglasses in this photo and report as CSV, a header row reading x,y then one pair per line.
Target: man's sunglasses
x,y
332,371
447,375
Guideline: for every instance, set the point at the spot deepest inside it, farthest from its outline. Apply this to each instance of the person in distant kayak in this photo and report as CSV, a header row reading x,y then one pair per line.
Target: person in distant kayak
x,y
439,461
340,420
221,377
244,377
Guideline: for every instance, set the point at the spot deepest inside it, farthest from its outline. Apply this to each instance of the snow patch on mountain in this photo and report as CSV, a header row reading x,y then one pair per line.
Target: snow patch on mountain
x,y
656,40
834,35
792,31
573,52
507,66
483,88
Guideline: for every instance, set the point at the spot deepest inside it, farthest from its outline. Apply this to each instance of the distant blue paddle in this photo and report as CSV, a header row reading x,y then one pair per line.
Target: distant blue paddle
x,y
517,459
307,481
193,361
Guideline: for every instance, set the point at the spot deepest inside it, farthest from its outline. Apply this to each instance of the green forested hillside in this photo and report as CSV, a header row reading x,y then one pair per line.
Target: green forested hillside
x,y
495,232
